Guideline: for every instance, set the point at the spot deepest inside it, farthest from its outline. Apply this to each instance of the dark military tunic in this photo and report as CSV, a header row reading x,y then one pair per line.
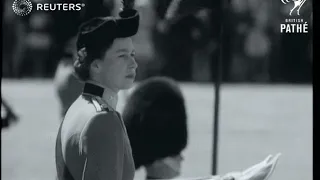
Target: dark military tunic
x,y
92,142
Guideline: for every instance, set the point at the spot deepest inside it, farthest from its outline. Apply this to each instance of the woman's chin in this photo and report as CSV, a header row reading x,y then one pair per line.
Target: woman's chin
x,y
128,85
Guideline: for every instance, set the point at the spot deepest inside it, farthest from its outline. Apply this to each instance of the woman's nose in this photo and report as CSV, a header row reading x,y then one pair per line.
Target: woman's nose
x,y
134,63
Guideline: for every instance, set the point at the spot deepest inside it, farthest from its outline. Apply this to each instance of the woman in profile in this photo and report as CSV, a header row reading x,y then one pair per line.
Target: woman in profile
x,y
92,143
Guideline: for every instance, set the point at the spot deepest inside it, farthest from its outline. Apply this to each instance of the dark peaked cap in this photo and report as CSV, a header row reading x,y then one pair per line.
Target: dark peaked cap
x,y
98,29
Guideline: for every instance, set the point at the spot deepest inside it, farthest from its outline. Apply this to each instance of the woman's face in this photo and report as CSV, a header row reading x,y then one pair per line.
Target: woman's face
x,y
117,69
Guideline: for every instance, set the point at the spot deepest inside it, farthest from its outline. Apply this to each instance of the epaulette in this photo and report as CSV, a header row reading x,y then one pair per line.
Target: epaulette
x,y
99,104
93,94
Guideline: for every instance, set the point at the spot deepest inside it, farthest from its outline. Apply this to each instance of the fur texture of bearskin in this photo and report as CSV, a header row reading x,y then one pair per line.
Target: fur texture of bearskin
x,y
156,120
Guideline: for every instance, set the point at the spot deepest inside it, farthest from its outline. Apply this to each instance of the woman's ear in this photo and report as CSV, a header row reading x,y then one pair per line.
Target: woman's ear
x,y
95,66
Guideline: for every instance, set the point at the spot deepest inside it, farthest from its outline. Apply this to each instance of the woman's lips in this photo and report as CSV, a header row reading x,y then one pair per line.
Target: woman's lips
x,y
130,76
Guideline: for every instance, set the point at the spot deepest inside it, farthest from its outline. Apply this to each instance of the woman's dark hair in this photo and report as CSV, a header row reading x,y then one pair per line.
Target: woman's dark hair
x,y
94,38
85,57
156,120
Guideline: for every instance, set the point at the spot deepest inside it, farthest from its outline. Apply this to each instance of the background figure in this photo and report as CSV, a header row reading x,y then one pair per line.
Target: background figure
x,y
39,42
7,115
156,122
175,43
68,87
14,40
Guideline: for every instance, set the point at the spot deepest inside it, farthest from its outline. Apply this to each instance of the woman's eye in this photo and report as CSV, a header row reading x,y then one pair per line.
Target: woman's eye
x,y
122,56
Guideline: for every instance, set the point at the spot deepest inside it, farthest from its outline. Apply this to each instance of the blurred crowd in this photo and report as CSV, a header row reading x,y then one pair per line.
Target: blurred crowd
x,y
34,45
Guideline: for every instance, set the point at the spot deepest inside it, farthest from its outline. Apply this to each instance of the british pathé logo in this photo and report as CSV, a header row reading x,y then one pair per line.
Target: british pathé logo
x,y
24,7
297,4
294,25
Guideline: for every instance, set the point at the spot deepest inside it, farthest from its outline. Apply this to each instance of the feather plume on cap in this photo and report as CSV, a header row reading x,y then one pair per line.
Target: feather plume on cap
x,y
127,9
127,4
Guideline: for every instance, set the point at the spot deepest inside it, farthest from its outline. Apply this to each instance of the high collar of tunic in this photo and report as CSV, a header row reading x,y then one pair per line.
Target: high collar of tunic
x,y
106,94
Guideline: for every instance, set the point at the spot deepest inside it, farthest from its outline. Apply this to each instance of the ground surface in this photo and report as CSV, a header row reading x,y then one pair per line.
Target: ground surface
x,y
254,121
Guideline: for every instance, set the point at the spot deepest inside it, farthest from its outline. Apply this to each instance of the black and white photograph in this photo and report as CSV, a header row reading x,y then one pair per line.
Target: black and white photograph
x,y
157,90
